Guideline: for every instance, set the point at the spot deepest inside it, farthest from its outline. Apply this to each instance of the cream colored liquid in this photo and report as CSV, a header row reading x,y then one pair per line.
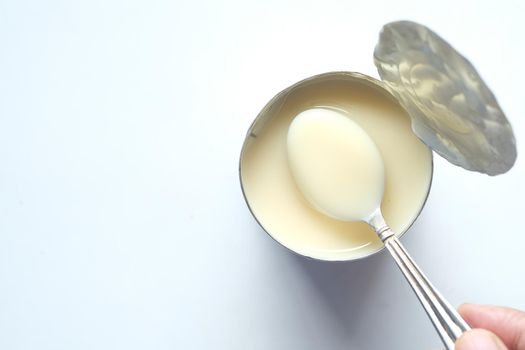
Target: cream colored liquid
x,y
335,164
280,207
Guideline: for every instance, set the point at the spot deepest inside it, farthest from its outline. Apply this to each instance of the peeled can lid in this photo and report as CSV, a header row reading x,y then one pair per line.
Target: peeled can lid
x,y
452,109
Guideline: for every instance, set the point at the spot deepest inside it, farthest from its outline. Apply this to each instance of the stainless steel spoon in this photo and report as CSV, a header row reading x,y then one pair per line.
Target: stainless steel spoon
x,y
340,171
447,321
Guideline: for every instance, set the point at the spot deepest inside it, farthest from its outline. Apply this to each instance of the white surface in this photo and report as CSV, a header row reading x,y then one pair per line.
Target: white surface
x,y
122,225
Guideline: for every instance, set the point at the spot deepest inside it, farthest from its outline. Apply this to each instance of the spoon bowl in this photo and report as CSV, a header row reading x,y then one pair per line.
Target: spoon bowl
x,y
318,142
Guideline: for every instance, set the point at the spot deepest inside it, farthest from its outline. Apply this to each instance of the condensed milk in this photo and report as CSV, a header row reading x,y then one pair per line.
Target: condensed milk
x,y
272,193
335,164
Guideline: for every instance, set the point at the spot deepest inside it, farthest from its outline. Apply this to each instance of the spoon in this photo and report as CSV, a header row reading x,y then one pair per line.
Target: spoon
x,y
340,172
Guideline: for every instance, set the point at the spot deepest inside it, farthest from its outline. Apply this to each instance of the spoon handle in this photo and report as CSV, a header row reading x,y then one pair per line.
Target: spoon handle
x,y
447,321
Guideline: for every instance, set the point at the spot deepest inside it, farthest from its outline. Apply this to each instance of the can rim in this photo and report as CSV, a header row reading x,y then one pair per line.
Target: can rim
x,y
355,75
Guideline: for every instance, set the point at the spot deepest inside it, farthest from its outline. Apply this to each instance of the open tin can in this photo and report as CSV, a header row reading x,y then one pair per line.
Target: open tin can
x,y
430,98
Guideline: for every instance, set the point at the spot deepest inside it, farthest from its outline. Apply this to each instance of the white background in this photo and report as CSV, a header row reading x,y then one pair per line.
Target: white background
x,y
122,224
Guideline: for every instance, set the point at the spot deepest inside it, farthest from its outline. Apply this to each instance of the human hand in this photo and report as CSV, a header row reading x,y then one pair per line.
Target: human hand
x,y
494,328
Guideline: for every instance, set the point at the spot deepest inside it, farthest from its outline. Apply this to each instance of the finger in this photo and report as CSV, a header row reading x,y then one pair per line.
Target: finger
x,y
479,339
506,323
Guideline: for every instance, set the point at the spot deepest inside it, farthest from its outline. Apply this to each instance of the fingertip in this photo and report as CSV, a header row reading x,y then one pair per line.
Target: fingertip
x,y
479,339
464,306
468,311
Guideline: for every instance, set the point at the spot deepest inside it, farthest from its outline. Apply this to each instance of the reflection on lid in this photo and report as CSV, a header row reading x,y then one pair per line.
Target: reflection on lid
x,y
452,109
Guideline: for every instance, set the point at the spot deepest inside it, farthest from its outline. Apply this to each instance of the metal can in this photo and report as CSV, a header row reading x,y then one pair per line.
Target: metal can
x,y
276,203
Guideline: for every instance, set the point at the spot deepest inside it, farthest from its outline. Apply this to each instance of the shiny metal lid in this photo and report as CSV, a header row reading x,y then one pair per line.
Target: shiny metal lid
x,y
452,109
